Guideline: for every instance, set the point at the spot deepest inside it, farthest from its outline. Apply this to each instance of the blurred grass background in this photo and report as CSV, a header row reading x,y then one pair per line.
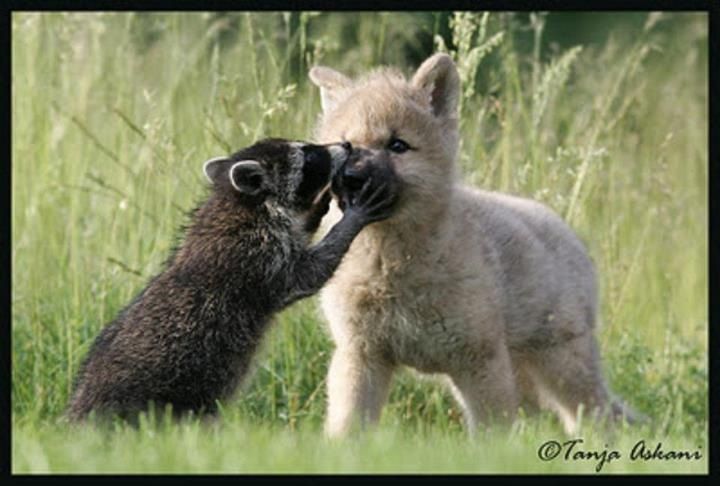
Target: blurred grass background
x,y
601,116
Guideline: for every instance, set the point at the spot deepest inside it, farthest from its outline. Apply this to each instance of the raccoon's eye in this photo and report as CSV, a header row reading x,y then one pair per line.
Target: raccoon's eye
x,y
398,146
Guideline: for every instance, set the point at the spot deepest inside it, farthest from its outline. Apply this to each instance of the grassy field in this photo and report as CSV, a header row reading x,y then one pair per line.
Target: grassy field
x,y
113,115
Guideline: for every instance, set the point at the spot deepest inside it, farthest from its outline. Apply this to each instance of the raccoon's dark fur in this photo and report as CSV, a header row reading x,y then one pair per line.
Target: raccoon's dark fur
x,y
187,339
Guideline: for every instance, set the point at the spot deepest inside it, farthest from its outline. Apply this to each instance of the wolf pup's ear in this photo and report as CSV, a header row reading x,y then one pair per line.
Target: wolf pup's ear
x,y
212,168
331,84
247,177
438,77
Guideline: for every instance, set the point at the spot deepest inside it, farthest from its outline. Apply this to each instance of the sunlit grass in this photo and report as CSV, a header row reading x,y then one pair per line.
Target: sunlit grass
x,y
233,446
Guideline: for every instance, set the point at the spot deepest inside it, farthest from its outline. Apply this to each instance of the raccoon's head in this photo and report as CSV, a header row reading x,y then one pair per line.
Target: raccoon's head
x,y
285,173
408,123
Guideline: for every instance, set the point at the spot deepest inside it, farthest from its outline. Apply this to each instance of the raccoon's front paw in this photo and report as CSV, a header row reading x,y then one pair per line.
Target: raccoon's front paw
x,y
372,202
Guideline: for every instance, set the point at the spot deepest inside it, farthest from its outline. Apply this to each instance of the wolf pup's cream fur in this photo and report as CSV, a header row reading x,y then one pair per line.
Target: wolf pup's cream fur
x,y
493,291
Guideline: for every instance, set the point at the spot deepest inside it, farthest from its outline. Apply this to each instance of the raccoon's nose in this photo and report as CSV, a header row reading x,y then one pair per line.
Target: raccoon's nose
x,y
347,146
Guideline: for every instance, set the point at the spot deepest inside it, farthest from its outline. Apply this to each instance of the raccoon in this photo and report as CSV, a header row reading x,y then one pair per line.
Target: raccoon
x,y
188,338
491,291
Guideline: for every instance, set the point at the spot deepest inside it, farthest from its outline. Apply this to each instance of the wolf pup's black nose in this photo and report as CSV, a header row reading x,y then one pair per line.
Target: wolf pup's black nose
x,y
354,176
347,146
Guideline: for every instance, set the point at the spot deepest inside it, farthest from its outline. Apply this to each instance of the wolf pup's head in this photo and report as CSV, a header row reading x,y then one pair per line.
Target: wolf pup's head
x,y
289,174
412,124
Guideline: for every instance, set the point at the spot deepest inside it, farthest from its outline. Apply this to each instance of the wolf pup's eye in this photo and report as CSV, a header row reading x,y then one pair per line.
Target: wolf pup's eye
x,y
398,146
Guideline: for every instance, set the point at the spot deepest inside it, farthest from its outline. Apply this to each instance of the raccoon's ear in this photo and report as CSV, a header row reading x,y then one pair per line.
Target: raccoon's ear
x,y
213,167
247,177
439,78
331,83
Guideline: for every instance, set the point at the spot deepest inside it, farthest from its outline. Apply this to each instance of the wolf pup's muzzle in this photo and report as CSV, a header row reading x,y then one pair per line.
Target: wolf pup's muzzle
x,y
362,165
339,163
351,175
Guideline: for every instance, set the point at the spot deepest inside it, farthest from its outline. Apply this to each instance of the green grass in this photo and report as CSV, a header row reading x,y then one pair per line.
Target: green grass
x,y
233,446
113,115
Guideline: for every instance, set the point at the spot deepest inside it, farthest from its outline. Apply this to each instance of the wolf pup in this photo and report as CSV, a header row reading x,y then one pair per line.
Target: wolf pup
x,y
188,338
492,291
